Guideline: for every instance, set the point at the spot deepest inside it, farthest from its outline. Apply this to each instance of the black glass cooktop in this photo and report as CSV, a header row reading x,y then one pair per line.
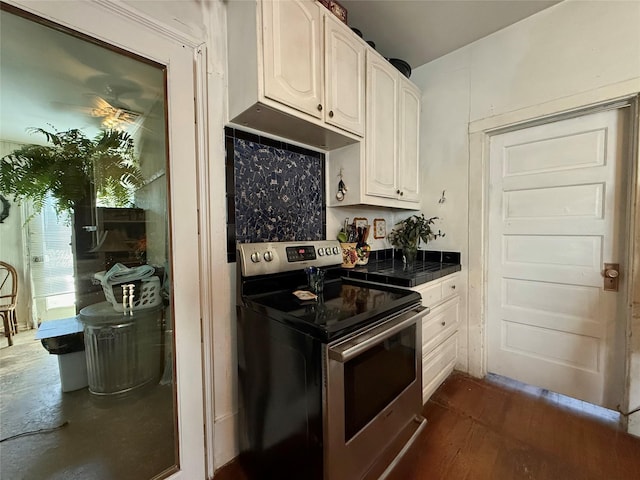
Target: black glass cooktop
x,y
344,306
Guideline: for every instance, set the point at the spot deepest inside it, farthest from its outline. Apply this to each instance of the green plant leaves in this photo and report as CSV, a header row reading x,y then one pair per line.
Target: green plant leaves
x,y
409,232
71,167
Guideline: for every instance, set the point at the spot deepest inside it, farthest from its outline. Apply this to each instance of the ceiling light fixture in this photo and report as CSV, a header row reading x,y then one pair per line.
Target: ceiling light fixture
x,y
113,118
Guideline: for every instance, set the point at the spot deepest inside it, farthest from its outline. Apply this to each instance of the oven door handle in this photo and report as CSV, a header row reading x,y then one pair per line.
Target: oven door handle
x,y
353,347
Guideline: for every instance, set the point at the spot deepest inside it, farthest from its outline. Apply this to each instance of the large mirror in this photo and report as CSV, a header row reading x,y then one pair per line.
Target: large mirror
x,y
87,384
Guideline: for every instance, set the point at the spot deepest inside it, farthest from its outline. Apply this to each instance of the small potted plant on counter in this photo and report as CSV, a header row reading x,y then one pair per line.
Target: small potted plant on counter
x,y
408,233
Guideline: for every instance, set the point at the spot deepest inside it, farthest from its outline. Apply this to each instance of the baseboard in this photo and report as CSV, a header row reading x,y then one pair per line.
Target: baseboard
x,y
226,439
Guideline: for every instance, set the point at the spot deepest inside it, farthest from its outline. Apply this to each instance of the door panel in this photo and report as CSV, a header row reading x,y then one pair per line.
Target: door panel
x,y
292,49
555,214
408,145
344,77
381,128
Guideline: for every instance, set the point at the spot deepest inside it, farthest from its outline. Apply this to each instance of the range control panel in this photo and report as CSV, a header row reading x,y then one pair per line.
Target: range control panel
x,y
301,253
275,257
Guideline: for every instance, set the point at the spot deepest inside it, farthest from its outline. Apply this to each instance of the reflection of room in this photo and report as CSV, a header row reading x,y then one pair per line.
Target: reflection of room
x,y
97,424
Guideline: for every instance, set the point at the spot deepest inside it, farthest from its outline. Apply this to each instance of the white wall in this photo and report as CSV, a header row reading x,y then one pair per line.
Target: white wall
x,y
569,56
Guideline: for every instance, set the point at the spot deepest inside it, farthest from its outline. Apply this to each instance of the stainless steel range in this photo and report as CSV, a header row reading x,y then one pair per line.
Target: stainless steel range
x,y
329,388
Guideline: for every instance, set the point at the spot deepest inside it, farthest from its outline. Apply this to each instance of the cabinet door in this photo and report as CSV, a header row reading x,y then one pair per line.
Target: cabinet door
x,y
292,54
382,127
408,147
344,77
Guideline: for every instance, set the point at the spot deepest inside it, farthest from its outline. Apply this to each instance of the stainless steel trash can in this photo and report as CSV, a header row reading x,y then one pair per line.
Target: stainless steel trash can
x,y
123,352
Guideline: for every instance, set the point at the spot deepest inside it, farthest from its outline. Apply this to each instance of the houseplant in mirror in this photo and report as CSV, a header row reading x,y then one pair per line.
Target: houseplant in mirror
x,y
407,234
73,169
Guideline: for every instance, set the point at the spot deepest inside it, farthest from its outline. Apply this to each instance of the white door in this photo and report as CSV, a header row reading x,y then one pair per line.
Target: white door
x,y
556,211
344,77
408,144
292,53
382,128
115,25
50,266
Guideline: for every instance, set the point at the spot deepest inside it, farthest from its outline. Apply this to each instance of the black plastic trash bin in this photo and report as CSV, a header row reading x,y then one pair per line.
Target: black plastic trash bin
x,y
65,338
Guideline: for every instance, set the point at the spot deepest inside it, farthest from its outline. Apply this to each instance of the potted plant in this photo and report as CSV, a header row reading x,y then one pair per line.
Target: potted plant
x,y
408,233
71,168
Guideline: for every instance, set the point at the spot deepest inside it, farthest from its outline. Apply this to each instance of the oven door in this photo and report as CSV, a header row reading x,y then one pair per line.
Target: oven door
x,y
373,395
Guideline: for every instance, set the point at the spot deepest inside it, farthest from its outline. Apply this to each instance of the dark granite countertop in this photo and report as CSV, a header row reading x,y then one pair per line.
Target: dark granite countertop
x,y
392,270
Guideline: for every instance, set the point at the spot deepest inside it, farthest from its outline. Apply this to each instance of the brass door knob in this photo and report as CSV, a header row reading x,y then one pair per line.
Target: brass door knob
x,y
611,273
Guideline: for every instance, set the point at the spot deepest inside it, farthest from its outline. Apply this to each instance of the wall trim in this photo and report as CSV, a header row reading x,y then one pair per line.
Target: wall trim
x,y
124,10
206,252
632,388
562,106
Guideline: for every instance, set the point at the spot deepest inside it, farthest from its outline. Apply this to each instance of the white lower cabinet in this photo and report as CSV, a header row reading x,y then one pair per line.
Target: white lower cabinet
x,y
437,365
439,331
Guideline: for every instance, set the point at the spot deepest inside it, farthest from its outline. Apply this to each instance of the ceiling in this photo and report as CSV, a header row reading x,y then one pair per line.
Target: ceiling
x,y
50,78
53,80
420,31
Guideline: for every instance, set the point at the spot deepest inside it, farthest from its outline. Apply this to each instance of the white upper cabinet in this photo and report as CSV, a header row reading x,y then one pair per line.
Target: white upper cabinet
x,y
344,77
292,53
382,170
382,128
296,72
393,120
408,141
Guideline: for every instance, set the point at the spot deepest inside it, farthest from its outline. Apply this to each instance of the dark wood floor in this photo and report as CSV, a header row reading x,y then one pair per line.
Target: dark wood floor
x,y
498,430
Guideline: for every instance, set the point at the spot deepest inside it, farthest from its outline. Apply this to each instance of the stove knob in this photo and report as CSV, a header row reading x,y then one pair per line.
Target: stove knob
x,y
327,251
268,256
336,250
320,252
255,257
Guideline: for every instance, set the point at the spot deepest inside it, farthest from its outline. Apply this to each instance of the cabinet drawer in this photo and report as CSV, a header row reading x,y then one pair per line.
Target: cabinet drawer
x,y
432,294
437,365
450,286
439,324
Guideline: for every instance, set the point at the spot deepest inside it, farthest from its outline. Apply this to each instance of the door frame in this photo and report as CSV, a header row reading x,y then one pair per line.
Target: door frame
x,y
480,133
186,81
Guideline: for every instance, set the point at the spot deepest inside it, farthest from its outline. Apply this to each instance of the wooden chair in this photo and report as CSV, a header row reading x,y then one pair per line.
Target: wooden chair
x,y
8,299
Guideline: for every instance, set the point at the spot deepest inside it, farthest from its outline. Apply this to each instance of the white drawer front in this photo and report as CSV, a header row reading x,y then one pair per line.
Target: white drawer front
x,y
441,322
437,365
431,294
450,286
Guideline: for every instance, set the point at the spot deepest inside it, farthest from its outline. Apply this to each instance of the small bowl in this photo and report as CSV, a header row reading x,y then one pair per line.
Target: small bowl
x,y
402,66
